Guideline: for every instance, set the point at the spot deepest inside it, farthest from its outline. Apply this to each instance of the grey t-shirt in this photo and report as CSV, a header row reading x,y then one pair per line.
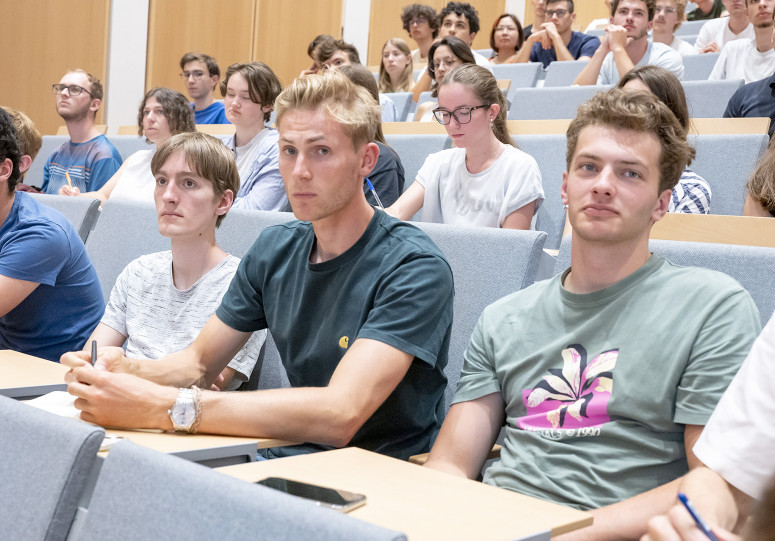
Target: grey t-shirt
x,y
159,318
657,54
598,387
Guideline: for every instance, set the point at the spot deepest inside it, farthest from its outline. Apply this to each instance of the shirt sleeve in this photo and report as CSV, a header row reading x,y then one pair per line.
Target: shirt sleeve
x,y
737,442
35,254
101,172
115,311
265,183
523,188
242,307
412,310
719,349
478,377
245,360
46,175
719,69
589,47
734,106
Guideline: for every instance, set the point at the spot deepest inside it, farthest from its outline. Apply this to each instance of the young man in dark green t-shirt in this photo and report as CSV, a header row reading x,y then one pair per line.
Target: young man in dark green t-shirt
x,y
359,304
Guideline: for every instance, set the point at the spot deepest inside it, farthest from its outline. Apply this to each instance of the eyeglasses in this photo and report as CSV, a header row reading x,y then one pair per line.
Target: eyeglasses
x,y
549,13
73,90
505,28
450,62
462,115
418,21
197,74
666,10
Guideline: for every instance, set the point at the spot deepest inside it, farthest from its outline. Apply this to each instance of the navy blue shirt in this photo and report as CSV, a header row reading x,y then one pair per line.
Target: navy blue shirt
x,y
755,99
578,46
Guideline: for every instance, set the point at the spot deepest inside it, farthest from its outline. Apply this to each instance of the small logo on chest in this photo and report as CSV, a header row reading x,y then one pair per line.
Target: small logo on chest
x,y
344,342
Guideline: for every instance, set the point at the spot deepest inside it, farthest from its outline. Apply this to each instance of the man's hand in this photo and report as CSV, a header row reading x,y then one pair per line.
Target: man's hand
x,y
111,359
617,37
551,33
605,45
711,47
121,400
677,524
65,189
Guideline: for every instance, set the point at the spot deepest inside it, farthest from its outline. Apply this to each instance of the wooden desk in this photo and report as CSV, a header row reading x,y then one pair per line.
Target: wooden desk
x,y
422,503
23,376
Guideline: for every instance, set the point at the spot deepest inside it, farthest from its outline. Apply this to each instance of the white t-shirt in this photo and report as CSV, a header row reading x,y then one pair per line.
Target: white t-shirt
x,y
246,154
455,196
157,318
482,61
682,47
741,60
657,54
738,439
717,31
136,182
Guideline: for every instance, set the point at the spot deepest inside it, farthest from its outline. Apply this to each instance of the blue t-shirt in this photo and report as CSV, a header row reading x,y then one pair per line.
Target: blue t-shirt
x,y
393,285
38,244
754,99
215,113
579,45
89,164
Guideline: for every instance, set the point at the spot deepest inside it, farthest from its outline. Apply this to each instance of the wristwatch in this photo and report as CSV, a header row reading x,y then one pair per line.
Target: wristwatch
x,y
187,410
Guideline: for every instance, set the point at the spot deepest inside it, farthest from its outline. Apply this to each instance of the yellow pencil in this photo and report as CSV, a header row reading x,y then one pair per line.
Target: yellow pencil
x,y
69,182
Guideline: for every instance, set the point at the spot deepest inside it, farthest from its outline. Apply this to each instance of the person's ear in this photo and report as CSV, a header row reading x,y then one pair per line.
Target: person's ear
x,y
25,163
95,104
225,203
369,160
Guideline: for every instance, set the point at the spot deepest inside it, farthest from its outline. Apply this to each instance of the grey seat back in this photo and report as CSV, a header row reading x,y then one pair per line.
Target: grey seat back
x,y
142,494
402,101
752,266
487,264
708,99
549,103
563,73
697,67
81,211
520,75
46,460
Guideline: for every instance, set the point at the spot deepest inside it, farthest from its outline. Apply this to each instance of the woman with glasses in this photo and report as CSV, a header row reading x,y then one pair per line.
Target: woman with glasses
x,y
445,55
395,70
163,113
485,180
506,38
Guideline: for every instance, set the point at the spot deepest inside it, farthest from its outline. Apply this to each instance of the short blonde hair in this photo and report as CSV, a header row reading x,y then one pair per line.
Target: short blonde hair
x,y
27,134
207,156
349,104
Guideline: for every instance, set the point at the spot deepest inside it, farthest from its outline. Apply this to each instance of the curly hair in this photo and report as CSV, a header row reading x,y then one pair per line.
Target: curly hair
x,y
9,148
176,108
462,9
412,11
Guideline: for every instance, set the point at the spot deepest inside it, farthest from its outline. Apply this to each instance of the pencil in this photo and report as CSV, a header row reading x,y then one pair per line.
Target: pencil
x,y
93,352
69,182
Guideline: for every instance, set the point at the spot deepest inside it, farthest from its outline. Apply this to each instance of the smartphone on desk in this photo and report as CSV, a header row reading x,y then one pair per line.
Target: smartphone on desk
x,y
339,500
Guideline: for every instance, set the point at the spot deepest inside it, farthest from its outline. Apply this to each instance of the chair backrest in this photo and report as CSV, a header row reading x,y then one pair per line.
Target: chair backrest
x,y
46,460
487,264
143,494
726,162
697,67
708,99
556,102
413,149
81,211
689,28
402,101
563,73
549,152
34,176
521,75
752,266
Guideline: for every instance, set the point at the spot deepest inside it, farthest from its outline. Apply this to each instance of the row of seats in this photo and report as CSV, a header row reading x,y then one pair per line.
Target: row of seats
x,y
725,161
705,99
127,230
49,461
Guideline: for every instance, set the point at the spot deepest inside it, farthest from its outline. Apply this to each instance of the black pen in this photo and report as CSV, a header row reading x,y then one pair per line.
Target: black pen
x,y
93,352
697,518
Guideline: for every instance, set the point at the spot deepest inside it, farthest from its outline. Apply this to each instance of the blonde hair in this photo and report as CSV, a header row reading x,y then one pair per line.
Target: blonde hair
x,y
350,105
761,185
640,112
27,134
405,84
207,156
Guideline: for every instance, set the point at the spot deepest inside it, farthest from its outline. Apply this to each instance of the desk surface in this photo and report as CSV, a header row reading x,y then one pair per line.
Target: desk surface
x,y
25,376
422,503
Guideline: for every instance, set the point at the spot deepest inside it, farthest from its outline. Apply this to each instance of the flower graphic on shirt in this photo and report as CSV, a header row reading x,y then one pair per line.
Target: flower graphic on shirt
x,y
572,391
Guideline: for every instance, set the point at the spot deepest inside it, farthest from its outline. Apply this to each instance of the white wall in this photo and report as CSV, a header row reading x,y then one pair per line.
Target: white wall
x,y
127,50
354,13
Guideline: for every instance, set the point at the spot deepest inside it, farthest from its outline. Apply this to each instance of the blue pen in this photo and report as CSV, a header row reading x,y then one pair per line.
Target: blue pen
x,y
697,518
374,192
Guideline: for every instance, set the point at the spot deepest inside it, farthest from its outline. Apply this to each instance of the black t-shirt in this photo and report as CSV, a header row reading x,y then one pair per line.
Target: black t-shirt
x,y
393,285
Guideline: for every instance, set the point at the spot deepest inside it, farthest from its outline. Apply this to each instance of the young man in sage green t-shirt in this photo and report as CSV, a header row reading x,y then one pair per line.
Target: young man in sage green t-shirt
x,y
604,375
